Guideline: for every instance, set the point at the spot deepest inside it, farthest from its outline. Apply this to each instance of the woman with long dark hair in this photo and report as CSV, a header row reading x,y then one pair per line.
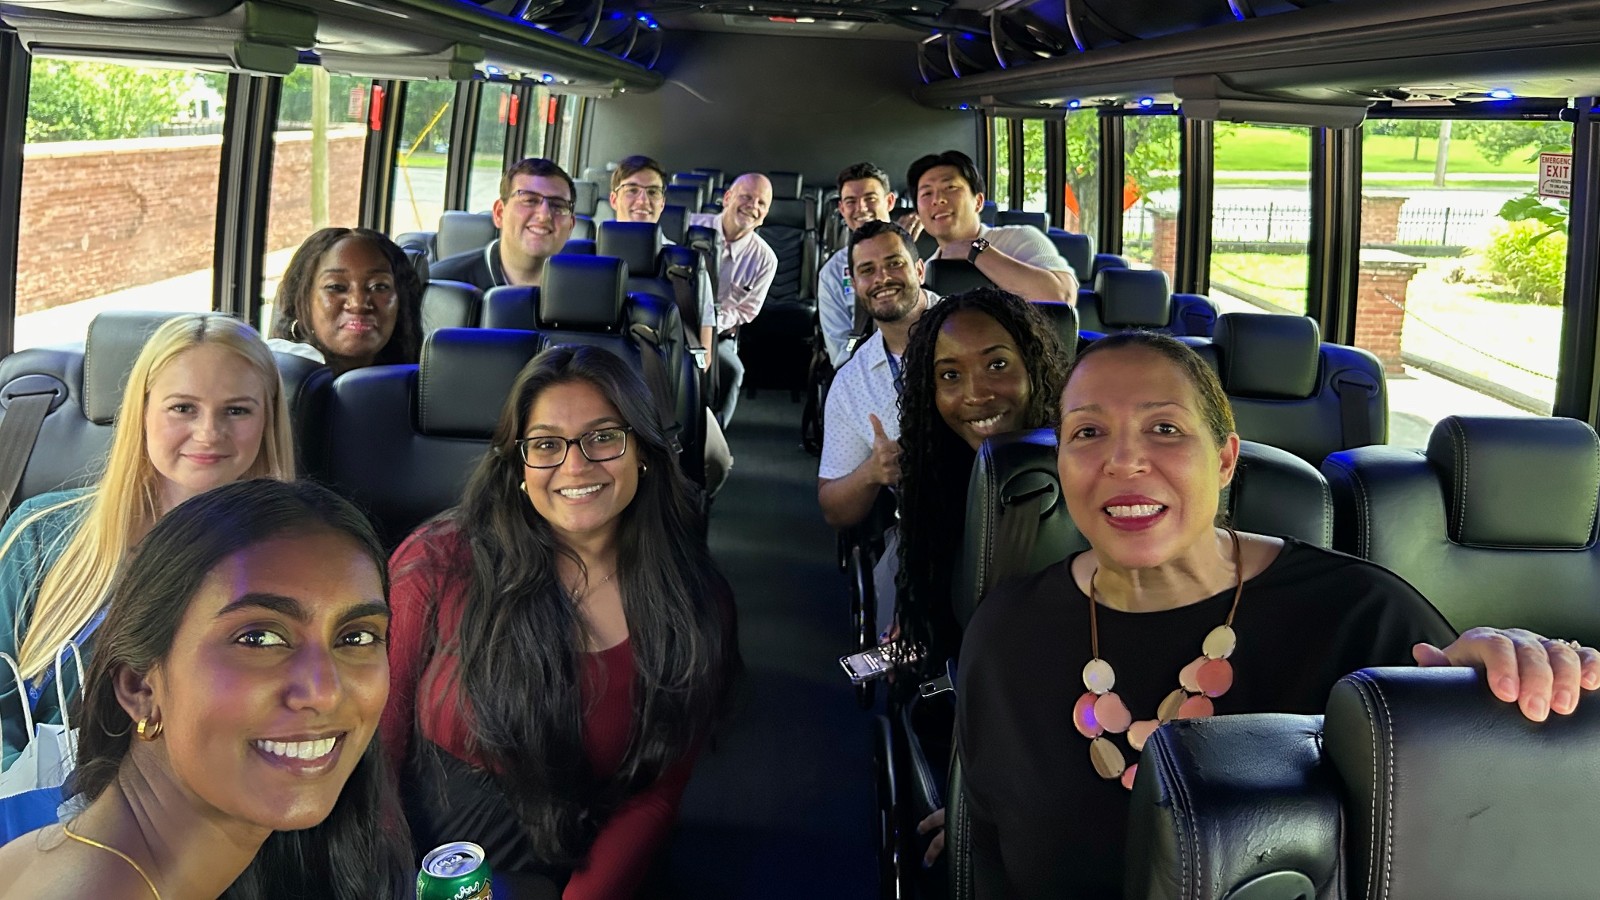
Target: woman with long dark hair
x,y
562,639
350,298
226,729
979,363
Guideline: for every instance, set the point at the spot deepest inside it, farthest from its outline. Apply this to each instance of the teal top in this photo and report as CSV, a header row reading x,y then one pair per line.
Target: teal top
x,y
22,569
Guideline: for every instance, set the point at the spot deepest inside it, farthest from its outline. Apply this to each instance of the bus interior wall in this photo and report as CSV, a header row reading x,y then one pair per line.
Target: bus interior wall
x,y
809,105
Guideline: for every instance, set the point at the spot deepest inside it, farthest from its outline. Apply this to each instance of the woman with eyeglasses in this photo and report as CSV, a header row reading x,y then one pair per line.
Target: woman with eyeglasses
x,y
561,641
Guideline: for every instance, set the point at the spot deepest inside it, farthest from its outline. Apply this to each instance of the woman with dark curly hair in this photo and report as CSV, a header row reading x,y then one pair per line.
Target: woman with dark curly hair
x,y
977,364
562,640
349,298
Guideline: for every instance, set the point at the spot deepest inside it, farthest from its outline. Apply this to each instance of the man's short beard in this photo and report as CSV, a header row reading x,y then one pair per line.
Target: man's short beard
x,y
899,312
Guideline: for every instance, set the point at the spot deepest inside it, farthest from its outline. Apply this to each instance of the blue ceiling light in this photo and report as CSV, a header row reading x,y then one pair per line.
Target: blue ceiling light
x,y
964,106
1074,104
618,15
547,78
966,37
1147,102
1501,94
491,70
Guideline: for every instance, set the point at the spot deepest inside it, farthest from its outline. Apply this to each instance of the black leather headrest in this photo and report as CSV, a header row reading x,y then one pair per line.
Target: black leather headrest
x,y
115,339
1065,319
715,175
582,293
582,246
688,196
584,197
417,256
1134,298
790,213
583,228
1517,482
986,215
785,185
696,178
1022,217
1273,357
673,218
463,231
1275,492
948,277
465,375
511,306
637,244
450,304
1076,249
1453,793
1229,801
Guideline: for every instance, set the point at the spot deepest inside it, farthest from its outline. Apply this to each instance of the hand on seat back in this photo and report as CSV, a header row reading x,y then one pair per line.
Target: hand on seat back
x,y
935,820
911,223
1537,673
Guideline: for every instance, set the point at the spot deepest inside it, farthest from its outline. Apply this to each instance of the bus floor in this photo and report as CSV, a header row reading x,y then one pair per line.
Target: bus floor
x,y
782,805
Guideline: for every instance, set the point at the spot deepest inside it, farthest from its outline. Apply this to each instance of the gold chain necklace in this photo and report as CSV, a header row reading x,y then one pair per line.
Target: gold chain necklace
x,y
118,853
579,595
1100,712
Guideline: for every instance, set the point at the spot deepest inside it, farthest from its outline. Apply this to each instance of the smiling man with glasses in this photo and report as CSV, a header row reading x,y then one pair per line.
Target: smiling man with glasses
x,y
638,190
535,216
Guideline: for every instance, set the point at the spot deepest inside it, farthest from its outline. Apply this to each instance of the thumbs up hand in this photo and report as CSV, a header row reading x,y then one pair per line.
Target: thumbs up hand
x,y
885,459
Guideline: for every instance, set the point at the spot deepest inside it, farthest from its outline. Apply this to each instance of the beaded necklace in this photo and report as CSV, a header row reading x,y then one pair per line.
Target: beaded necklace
x,y
1100,712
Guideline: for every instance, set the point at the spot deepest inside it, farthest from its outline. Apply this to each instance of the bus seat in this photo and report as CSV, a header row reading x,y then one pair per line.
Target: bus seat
x,y
585,194
672,222
776,345
688,196
948,277
580,246
450,304
1494,523
1142,298
988,214
1077,250
603,211
701,179
462,231
583,228
1291,390
716,177
1273,492
640,247
1385,795
1022,217
417,256
597,174
786,185
433,421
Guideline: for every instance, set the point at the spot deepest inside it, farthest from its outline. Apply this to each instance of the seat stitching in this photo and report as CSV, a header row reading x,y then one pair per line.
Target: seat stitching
x,y
1388,793
1188,836
1462,466
1595,459
1359,682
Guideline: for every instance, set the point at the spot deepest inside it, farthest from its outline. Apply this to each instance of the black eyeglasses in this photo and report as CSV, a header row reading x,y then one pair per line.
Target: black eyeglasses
x,y
528,201
548,451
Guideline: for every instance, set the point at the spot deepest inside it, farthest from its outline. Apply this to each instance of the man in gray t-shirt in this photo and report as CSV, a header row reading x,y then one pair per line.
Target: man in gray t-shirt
x,y
1017,258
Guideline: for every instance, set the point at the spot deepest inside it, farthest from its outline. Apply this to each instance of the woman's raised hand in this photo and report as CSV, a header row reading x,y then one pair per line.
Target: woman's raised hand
x,y
1537,673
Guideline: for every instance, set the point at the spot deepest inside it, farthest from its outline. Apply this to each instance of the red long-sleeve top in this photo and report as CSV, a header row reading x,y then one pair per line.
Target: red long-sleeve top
x,y
628,841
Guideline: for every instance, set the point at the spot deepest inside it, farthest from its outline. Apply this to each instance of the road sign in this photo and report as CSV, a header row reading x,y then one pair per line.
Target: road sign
x,y
1555,175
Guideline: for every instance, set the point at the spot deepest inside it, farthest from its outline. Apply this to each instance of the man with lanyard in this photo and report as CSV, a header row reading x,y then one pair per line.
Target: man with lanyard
x,y
745,268
861,428
1016,258
864,196
535,216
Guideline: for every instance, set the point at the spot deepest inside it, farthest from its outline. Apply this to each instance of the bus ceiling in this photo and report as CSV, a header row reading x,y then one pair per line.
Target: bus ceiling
x,y
568,49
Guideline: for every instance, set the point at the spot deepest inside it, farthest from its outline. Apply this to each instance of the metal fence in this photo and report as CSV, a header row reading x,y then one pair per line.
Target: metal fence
x,y
1420,225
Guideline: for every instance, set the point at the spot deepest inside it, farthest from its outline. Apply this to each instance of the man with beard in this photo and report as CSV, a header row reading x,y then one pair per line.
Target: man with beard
x,y
745,267
864,196
535,216
861,429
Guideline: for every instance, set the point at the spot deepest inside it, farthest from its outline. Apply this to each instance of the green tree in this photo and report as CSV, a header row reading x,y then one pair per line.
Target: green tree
x,y
1150,162
78,101
1498,140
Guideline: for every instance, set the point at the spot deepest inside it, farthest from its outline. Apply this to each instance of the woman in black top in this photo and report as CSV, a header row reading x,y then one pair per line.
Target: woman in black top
x,y
1065,672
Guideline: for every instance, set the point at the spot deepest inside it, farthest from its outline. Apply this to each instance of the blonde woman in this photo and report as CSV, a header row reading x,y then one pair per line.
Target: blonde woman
x,y
203,407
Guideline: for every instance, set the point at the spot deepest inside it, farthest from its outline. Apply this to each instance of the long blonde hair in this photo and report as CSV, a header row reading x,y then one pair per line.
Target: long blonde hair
x,y
126,502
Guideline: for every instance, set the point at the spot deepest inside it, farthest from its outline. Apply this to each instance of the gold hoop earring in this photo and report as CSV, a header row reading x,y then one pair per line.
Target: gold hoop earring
x,y
148,732
294,331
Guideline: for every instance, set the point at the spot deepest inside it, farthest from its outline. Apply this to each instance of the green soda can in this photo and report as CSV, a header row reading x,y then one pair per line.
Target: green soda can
x,y
457,871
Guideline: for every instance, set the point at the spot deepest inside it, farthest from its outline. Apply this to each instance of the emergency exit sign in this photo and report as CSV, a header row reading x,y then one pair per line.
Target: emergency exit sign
x,y
1555,175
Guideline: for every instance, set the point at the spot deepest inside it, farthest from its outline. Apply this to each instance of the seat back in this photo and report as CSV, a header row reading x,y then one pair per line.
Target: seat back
x,y
585,194
776,346
580,246
1272,492
703,180
786,231
673,220
948,277
1384,796
432,422
688,196
582,228
462,231
786,185
1291,390
1123,299
1494,523
715,175
450,304
1038,220
1077,250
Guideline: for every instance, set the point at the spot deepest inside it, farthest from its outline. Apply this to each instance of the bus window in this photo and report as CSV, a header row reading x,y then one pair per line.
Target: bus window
x,y
1033,181
316,164
1150,193
488,156
1462,268
571,122
1083,172
419,167
1261,218
1000,191
119,194
538,123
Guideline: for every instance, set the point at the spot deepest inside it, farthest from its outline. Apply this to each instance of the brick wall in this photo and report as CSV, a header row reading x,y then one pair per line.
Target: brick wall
x,y
100,216
1381,290
1164,242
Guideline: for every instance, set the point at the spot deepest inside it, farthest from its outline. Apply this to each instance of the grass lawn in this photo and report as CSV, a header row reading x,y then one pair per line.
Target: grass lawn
x,y
1454,181
1278,150
1277,278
